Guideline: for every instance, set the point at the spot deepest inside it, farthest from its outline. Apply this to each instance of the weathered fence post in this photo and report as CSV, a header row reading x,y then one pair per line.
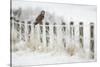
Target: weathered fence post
x,y
47,33
23,30
81,34
64,34
55,29
18,27
29,29
26,37
54,33
32,31
72,31
92,40
71,46
41,33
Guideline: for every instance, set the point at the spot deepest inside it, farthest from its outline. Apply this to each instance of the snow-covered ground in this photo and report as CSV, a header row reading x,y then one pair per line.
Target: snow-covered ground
x,y
33,58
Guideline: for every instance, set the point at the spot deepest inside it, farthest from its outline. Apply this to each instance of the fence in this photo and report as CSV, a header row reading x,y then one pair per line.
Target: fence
x,y
54,35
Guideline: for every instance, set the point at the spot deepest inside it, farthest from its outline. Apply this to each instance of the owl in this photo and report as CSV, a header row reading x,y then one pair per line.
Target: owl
x,y
39,18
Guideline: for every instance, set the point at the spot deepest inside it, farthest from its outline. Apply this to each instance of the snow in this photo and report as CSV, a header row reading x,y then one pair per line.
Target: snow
x,y
30,58
47,56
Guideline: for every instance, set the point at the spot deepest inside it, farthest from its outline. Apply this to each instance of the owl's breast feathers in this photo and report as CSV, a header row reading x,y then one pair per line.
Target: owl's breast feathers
x,y
40,18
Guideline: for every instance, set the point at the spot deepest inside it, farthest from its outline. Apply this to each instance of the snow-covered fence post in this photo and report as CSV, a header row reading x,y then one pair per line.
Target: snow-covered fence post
x,y
64,34
92,40
55,29
51,36
38,32
23,30
72,31
55,34
18,27
44,35
29,30
81,34
41,33
47,33
26,38
32,31
71,46
59,36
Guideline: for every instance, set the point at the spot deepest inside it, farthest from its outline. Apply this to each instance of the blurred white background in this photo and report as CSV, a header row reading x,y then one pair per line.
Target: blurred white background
x,y
5,32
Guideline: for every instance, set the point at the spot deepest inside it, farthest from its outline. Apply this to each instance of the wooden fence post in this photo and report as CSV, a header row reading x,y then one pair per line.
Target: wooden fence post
x,y
72,31
47,33
55,33
81,34
29,29
23,30
92,39
64,34
41,33
26,38
18,27
54,29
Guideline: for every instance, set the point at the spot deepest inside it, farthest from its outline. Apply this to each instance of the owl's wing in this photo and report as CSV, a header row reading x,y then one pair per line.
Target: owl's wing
x,y
40,18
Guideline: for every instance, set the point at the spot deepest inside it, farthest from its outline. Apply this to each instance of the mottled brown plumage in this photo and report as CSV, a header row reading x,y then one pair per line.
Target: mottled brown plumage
x,y
40,17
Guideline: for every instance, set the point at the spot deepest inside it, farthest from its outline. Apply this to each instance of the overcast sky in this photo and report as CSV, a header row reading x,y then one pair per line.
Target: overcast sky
x,y
71,11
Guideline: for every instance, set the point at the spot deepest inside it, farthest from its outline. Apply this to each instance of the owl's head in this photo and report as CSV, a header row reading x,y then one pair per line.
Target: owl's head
x,y
42,12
